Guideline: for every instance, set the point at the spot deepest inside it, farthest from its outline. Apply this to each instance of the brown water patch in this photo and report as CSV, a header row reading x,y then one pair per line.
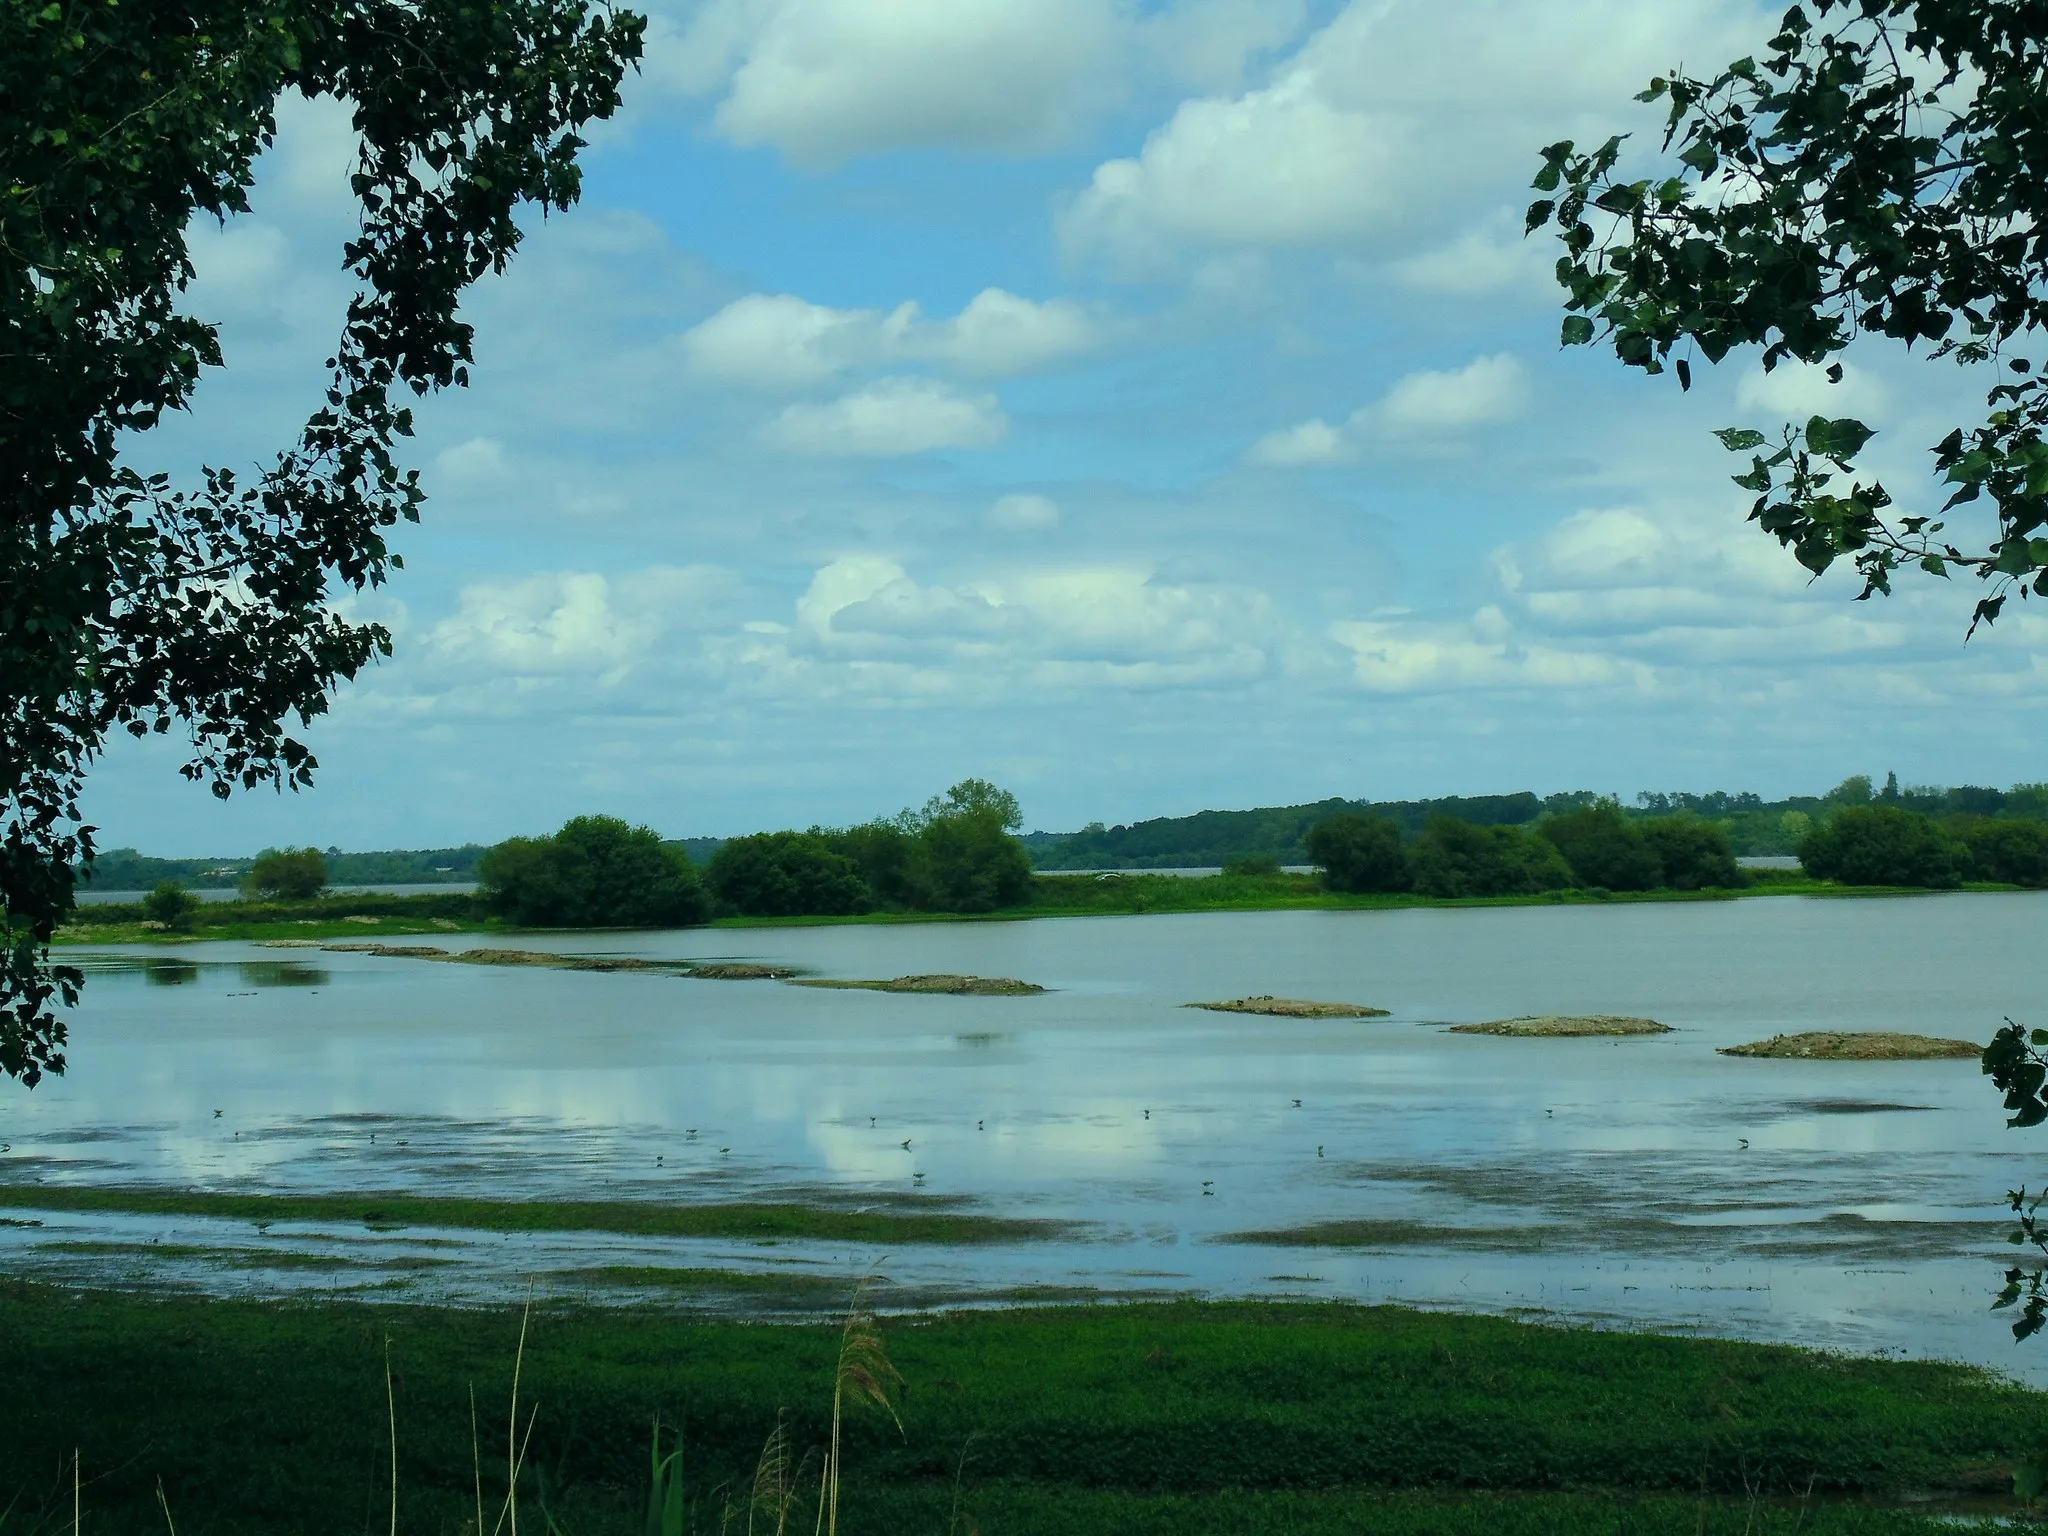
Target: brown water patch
x,y
1291,1008
1856,1045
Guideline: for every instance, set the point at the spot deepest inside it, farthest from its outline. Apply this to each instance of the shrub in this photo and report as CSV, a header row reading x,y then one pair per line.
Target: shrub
x,y
597,872
170,904
286,874
1359,853
1454,858
1252,866
1604,848
2015,852
787,874
886,856
1693,855
1881,845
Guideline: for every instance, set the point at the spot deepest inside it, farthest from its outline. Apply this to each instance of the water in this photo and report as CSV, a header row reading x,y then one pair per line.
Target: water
x,y
1639,1181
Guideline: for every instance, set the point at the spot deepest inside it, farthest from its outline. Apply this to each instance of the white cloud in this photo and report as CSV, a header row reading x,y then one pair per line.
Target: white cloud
x,y
476,461
1428,405
1490,257
782,342
826,80
779,341
1313,442
999,333
1277,166
1487,389
1404,656
1022,513
865,622
891,416
569,622
1385,123
1794,391
1206,44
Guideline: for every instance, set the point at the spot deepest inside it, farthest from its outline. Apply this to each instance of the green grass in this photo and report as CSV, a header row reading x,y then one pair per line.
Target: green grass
x,y
901,1222
1242,1418
376,917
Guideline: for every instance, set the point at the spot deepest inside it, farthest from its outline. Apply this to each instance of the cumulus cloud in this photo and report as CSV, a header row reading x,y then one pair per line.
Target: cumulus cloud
x,y
564,623
781,342
1383,123
1079,626
1492,256
1430,404
890,417
826,80
1022,513
1397,656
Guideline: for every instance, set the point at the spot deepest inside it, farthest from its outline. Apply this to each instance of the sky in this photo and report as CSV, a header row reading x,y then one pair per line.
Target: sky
x,y
1148,407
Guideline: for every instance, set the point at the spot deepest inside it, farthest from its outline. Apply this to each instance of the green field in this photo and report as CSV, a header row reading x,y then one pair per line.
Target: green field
x,y
1183,1417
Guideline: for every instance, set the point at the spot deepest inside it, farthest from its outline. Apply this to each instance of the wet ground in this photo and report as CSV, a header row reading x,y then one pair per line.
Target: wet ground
x,y
1640,1180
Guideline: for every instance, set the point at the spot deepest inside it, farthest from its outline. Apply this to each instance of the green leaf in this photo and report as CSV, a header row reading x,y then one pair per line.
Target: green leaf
x,y
1740,439
1576,332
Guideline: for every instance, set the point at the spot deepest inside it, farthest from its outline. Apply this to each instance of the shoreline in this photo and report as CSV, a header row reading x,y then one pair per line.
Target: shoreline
x,y
1125,896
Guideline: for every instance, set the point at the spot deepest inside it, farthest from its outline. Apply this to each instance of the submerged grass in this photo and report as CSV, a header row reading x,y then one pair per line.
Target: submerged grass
x,y
1243,1418
905,1222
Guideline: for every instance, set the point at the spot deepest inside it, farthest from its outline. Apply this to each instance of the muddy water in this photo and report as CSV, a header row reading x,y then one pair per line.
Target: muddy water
x,y
1637,1180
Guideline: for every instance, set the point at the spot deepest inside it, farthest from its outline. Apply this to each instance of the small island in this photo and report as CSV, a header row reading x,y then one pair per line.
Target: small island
x,y
1856,1045
1564,1026
1291,1008
953,986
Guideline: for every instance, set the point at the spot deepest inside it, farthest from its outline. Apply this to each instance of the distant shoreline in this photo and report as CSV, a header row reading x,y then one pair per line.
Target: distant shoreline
x,y
373,916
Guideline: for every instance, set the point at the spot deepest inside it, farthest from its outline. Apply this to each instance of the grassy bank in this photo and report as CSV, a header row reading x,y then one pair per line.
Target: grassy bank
x,y
903,1220
1244,1418
374,917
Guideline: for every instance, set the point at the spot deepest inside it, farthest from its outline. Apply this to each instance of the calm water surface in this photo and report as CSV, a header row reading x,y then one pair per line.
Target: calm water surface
x,y
1639,1181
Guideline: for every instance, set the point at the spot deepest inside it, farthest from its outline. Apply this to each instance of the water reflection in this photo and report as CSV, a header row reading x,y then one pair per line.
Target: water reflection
x,y
169,973
1854,1204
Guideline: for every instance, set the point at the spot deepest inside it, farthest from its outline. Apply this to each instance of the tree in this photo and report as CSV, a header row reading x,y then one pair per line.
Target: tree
x,y
171,905
787,874
125,602
1604,848
597,872
963,857
1455,858
2015,852
1881,845
886,856
1879,172
1359,853
1692,855
286,874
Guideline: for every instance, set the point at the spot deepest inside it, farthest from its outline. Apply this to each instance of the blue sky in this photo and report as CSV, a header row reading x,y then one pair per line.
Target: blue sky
x,y
1149,407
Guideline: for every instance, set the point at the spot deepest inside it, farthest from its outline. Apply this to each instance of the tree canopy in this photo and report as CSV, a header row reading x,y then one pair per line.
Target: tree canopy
x,y
291,873
1881,171
597,872
127,602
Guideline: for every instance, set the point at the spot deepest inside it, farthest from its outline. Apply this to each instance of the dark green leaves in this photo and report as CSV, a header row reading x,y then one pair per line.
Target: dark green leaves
x,y
1832,188
127,604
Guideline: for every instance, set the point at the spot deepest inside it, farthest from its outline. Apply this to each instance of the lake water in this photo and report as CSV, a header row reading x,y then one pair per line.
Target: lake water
x,y
1638,1181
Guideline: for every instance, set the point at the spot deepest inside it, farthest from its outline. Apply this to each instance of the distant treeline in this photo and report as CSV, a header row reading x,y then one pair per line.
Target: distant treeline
x,y
1754,826
124,869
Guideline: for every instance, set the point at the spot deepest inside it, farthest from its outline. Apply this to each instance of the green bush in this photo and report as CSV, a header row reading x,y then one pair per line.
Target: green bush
x,y
286,874
787,874
1359,853
1455,859
886,856
1692,854
170,904
1252,866
597,872
1881,845
1604,848
2015,852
